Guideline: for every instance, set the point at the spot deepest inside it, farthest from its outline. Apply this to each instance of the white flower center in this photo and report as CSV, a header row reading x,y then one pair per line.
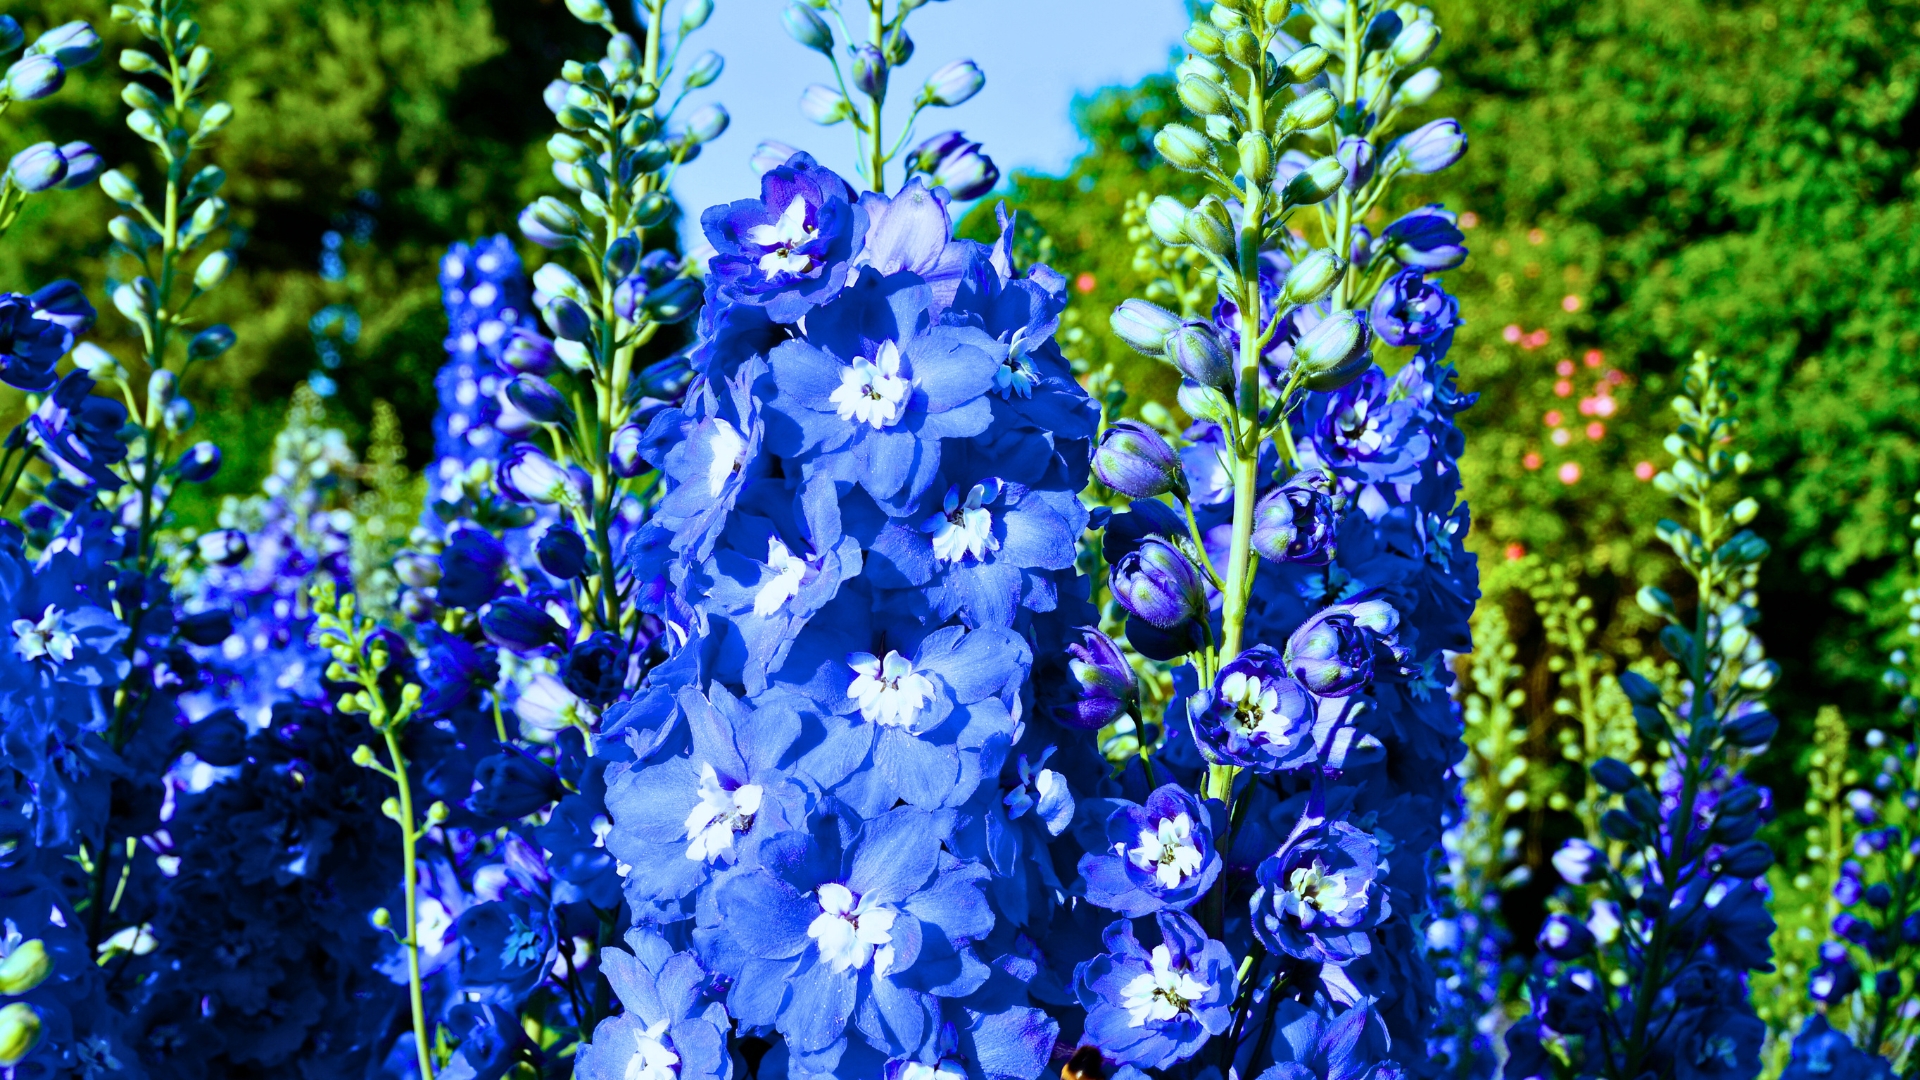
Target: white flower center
x,y
719,814
1256,708
1036,784
1168,851
920,1070
849,932
872,392
1311,887
1359,429
728,450
889,692
962,529
651,1059
1162,994
48,637
1016,376
781,237
788,569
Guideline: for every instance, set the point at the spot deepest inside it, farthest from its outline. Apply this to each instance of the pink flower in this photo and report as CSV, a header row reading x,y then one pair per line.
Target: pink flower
x,y
1531,461
1535,236
1512,333
1594,358
1603,406
1570,303
1644,470
1596,430
1469,219
1563,369
1553,418
1516,552
1085,283
1563,388
1570,472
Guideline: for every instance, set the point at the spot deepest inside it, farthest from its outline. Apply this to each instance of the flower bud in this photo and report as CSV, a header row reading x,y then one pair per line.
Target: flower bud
x,y
1206,39
590,11
1309,110
1295,522
708,123
567,319
1183,148
1208,228
1311,277
1564,937
954,83
1106,687
1580,862
119,188
227,547
1134,460
1414,43
1157,584
1204,96
1334,353
1166,218
1355,153
1746,860
518,626
199,464
1143,326
1256,157
1639,689
694,15
624,454
527,475
11,36
206,628
1314,183
562,553
25,968
1196,349
19,1033
1614,775
1305,63
84,163
870,71
1431,147
1752,729
1620,825
808,28
896,46
34,77
824,105
513,785
73,44
213,270
556,218
704,69
1381,31
1420,87
537,398
37,168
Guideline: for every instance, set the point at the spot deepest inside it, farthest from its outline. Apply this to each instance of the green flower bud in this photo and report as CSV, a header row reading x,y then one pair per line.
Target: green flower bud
x,y
135,62
198,63
1208,228
1225,17
147,125
1183,148
1309,111
567,149
213,270
27,967
209,215
590,11
1237,6
1166,217
130,233
1312,277
1314,183
652,209
556,216
1256,157
807,28
381,917
207,182
119,188
1243,48
695,15
1304,64
137,96
1654,601
1276,11
1745,510
214,341
19,1033
1204,39
213,119
1420,86
1414,43
1204,96
575,118
705,69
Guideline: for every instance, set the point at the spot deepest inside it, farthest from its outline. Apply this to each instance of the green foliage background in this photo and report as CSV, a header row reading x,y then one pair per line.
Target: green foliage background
x,y
1646,177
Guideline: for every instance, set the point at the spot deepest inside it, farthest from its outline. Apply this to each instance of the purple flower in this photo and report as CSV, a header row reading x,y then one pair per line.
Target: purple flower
x,y
31,344
1431,147
527,475
1321,892
1254,715
1819,1052
79,433
789,249
1155,1008
673,1025
1107,686
1158,585
518,626
1159,855
1426,239
1564,937
1295,522
950,161
1356,153
1409,310
596,668
1136,461
1340,649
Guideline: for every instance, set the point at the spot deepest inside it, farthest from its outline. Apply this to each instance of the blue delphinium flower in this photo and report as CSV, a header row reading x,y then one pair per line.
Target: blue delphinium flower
x,y
1155,1007
673,1024
1321,892
789,249
1160,855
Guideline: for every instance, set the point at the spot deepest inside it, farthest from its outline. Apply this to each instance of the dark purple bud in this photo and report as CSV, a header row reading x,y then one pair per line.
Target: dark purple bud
x,y
1294,522
870,71
1134,460
1564,937
1639,689
1196,349
1643,807
470,569
1848,888
1886,984
34,77
1755,728
518,626
1356,153
1157,583
596,669
1746,860
220,739
1427,239
1620,825
199,464
1431,147
537,398
1107,686
84,165
1853,929
1338,650
1362,253
1910,929
206,628
567,319
513,785
1614,775
227,547
1833,980
1878,896
625,452
949,160
525,350
562,553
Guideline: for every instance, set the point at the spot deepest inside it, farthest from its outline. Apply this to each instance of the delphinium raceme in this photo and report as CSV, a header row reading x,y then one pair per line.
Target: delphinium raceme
x,y
1653,979
947,159
1864,985
37,74
1312,567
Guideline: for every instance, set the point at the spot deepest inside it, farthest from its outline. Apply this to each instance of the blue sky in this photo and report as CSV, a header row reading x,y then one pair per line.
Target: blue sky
x,y
1036,53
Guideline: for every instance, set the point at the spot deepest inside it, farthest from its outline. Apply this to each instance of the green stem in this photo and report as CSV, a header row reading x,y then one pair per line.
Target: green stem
x,y
877,155
409,857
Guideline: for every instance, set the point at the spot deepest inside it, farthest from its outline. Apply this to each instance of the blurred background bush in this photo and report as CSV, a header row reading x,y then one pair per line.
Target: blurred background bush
x,y
1648,177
